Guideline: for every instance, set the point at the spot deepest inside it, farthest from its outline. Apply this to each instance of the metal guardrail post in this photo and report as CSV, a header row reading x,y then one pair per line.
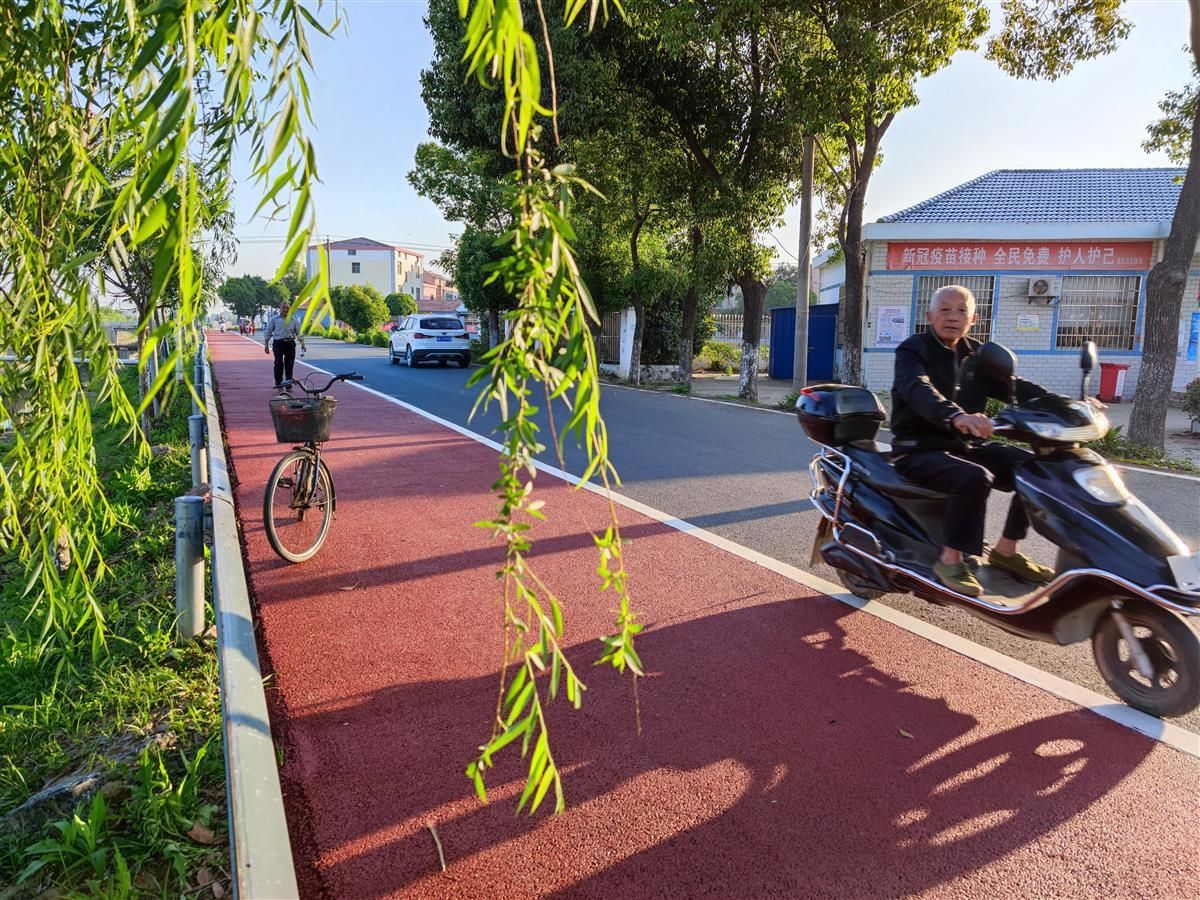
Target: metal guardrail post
x,y
198,377
189,566
199,456
260,850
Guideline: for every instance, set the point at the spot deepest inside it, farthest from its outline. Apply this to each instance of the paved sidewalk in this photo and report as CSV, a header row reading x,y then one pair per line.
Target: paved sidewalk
x,y
792,746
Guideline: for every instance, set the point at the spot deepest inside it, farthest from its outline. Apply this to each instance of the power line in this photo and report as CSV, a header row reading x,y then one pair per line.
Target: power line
x,y
785,249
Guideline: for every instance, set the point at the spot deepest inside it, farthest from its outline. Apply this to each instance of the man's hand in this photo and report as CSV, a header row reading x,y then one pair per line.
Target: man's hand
x,y
266,350
1097,403
974,424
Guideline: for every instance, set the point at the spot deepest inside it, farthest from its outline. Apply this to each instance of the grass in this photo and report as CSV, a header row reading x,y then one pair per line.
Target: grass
x,y
1119,449
144,714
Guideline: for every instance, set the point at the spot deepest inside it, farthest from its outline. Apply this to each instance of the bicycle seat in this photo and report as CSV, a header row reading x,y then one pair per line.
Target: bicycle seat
x,y
873,465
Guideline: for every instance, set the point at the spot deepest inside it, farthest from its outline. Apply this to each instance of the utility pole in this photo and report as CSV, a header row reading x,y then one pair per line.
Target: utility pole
x,y
804,275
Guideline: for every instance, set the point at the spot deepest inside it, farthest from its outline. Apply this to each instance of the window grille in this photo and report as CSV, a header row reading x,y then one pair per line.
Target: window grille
x,y
1100,308
352,253
982,286
355,267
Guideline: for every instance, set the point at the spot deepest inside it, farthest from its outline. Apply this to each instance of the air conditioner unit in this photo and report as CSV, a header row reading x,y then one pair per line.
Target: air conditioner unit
x,y
1044,287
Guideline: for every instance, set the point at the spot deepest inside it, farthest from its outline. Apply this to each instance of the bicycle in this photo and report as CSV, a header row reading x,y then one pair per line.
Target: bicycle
x,y
300,502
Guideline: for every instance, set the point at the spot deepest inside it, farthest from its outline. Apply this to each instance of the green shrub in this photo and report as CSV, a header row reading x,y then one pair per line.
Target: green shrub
x,y
1191,400
334,333
720,357
380,339
349,336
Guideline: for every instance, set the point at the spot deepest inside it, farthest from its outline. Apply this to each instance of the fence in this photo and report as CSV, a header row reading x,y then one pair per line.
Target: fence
x,y
729,328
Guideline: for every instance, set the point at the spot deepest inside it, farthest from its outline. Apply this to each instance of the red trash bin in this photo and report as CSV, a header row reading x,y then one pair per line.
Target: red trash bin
x,y
1112,381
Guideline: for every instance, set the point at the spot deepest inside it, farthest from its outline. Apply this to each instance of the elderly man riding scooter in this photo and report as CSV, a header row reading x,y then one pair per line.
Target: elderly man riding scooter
x,y
938,422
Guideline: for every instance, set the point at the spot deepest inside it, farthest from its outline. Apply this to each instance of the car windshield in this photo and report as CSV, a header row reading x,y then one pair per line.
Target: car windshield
x,y
442,324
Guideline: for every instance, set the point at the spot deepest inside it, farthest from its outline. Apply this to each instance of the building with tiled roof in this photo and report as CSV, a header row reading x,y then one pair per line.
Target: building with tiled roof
x,y
1135,201
1055,257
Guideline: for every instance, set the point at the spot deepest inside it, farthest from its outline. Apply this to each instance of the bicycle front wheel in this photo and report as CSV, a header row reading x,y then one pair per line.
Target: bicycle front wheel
x,y
298,506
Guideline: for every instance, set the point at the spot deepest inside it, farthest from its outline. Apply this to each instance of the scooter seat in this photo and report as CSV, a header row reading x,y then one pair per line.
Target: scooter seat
x,y
872,462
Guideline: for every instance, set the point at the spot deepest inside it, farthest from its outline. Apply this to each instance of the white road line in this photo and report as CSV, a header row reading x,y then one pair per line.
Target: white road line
x,y
1164,732
1129,468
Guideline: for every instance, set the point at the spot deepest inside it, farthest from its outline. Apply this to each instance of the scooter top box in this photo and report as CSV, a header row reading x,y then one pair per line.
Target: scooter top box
x,y
834,414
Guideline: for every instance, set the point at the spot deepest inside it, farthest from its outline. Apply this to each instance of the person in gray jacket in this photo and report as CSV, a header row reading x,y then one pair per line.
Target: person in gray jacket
x,y
280,335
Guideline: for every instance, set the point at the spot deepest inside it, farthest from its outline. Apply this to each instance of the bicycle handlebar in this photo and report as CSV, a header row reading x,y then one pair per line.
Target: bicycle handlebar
x,y
316,392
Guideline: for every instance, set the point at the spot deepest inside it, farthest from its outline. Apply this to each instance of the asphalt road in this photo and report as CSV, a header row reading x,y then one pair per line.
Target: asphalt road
x,y
742,473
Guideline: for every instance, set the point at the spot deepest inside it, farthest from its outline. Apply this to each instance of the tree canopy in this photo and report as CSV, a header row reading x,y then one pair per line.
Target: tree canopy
x,y
400,304
361,305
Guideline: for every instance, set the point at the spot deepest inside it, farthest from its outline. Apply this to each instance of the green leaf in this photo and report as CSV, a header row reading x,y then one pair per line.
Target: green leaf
x,y
151,222
547,779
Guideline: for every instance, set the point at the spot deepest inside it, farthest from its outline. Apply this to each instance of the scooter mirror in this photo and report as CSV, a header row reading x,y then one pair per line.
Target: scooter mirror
x,y
999,361
999,365
1087,356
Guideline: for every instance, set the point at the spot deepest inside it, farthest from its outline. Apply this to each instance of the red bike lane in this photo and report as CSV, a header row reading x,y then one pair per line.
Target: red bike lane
x,y
790,746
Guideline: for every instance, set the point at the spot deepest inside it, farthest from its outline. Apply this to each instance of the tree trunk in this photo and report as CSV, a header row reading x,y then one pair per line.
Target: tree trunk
x,y
804,271
754,291
639,304
851,311
143,383
493,325
1164,299
691,307
639,326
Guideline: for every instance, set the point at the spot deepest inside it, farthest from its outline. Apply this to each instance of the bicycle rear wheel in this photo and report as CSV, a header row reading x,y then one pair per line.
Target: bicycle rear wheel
x,y
298,509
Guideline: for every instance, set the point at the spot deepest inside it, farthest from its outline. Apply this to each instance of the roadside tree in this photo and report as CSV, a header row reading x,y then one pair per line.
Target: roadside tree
x,y
361,305
400,305
867,63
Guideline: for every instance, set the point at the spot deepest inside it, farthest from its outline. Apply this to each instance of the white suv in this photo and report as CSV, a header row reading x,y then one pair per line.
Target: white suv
x,y
420,338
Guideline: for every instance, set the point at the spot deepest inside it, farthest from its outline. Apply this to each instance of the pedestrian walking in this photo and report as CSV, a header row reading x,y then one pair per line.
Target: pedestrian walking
x,y
280,336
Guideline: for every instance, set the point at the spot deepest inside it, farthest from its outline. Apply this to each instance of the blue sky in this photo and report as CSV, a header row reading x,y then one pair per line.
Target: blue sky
x,y
369,119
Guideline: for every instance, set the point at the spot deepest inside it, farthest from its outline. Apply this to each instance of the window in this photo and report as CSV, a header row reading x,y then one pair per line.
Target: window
x,y
352,253
982,286
1100,308
441,324
355,268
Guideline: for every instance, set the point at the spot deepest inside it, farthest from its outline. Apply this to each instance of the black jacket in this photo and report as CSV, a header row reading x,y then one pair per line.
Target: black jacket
x,y
933,384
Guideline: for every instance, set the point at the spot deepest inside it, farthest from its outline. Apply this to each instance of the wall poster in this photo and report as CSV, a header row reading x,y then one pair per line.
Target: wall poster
x,y
892,326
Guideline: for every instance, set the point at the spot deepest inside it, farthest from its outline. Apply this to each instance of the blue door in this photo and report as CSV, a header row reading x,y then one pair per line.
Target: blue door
x,y
822,341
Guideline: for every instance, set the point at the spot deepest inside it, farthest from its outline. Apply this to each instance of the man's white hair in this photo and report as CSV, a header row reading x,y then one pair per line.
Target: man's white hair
x,y
949,290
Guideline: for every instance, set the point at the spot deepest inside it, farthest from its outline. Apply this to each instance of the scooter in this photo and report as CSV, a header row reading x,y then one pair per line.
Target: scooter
x,y
1123,578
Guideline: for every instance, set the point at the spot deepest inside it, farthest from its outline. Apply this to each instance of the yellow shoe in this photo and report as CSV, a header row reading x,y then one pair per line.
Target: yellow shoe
x,y
958,577
1021,566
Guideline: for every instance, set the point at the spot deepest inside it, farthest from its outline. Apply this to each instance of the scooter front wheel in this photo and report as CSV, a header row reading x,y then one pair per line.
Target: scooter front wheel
x,y
1172,649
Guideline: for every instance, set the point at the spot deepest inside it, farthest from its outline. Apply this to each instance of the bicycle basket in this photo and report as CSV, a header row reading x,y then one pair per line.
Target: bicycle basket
x,y
300,420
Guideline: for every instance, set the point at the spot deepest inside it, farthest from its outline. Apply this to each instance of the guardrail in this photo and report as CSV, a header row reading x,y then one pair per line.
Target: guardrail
x,y
258,837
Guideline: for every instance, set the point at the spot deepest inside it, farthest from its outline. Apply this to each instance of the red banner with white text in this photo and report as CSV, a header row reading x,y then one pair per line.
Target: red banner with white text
x,y
992,255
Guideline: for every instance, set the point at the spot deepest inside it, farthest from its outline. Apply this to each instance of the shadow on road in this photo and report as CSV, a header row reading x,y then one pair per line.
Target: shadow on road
x,y
774,760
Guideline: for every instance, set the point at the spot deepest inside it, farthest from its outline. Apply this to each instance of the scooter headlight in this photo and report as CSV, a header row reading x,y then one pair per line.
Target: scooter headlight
x,y
1049,430
1103,484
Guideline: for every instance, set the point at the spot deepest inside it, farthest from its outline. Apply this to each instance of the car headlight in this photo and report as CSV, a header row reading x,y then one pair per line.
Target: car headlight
x,y
1103,484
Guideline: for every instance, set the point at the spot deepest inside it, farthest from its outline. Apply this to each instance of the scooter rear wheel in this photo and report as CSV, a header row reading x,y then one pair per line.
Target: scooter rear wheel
x,y
1174,653
858,587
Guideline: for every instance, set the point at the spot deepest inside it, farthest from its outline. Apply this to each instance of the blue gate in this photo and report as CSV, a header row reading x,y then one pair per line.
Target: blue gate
x,y
822,339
